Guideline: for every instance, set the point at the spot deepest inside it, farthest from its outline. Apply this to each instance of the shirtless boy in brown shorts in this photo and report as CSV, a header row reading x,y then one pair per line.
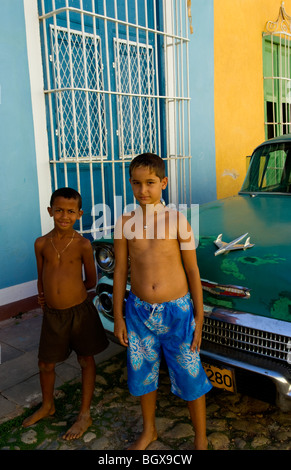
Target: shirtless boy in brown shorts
x,y
70,320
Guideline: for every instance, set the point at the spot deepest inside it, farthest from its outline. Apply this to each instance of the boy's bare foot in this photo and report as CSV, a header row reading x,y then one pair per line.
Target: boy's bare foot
x,y
42,412
83,422
144,440
201,444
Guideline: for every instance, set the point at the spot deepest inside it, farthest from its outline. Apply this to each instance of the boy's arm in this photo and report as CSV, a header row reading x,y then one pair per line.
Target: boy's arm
x,y
119,284
188,254
89,265
39,263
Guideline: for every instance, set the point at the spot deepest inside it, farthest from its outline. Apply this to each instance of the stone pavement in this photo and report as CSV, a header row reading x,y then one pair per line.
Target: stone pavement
x,y
234,421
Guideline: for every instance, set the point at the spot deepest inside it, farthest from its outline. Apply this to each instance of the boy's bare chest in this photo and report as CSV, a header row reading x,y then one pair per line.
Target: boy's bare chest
x,y
58,257
152,248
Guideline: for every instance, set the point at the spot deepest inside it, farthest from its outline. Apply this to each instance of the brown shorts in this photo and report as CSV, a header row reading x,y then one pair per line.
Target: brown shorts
x,y
77,328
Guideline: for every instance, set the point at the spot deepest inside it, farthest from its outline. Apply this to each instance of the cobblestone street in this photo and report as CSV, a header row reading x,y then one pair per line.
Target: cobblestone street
x,y
234,422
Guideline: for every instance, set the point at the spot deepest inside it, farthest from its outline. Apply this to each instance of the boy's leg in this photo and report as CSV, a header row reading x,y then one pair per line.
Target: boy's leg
x,y
149,433
197,409
47,382
143,373
88,384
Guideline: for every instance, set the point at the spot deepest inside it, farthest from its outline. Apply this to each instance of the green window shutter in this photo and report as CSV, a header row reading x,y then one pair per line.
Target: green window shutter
x,y
277,84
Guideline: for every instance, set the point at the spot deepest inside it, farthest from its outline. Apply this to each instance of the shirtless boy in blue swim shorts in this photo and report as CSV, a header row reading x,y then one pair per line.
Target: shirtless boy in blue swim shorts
x,y
159,311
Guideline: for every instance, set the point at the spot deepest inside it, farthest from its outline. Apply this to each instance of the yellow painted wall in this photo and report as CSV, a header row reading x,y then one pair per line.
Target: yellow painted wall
x,y
238,85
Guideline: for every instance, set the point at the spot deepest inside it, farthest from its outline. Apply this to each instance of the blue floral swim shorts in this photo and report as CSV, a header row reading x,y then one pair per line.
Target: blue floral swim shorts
x,y
168,328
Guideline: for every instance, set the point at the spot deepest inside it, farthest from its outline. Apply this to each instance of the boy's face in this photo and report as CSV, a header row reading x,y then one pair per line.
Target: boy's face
x,y
147,186
65,212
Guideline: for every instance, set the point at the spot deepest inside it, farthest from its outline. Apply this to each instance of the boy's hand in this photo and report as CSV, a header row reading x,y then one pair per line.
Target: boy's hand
x,y
120,331
196,343
41,299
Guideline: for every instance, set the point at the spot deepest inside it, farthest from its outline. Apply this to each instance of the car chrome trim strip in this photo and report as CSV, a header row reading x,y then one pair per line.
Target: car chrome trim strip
x,y
228,290
263,193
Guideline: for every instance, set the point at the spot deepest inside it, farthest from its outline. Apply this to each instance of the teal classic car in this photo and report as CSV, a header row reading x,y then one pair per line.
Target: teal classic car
x,y
244,257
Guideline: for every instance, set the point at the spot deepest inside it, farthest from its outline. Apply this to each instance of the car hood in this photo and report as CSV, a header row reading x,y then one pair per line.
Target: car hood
x,y
265,268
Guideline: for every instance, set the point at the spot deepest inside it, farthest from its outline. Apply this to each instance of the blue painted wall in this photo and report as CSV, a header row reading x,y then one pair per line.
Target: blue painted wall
x,y
201,65
20,220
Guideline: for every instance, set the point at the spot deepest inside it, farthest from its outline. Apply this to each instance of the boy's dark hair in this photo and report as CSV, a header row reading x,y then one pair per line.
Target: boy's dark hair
x,y
151,161
67,193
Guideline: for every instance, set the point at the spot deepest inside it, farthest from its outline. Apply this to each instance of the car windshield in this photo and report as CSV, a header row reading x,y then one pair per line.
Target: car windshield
x,y
270,169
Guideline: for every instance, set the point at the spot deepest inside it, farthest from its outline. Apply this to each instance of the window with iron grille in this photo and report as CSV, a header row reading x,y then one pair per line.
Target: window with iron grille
x,y
277,75
78,81
134,66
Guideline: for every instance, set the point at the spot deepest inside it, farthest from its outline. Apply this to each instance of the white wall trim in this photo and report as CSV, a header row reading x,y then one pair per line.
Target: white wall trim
x,y
38,110
171,116
19,292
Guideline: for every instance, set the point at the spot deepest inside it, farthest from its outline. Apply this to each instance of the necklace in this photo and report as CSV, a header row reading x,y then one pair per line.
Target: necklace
x,y
59,254
158,208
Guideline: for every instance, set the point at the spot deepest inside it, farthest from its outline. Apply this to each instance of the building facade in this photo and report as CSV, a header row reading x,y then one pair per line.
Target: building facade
x,y
85,85
251,82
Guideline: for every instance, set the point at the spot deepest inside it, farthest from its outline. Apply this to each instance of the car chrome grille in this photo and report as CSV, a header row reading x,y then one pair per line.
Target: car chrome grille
x,y
246,339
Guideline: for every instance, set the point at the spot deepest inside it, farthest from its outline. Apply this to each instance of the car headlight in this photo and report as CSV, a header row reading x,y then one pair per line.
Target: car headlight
x,y
105,258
